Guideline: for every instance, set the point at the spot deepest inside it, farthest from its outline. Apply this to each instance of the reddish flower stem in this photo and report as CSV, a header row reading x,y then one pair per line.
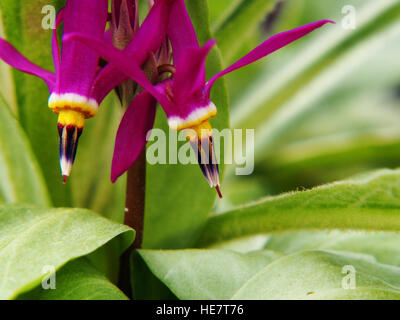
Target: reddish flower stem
x,y
134,216
135,197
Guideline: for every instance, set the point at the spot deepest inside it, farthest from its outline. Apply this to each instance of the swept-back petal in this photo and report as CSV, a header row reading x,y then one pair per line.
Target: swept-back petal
x,y
131,135
79,63
180,30
125,63
108,78
269,46
152,31
147,39
190,76
11,56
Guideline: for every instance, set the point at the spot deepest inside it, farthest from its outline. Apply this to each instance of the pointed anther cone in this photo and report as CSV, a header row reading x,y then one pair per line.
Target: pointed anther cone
x,y
201,140
70,127
219,192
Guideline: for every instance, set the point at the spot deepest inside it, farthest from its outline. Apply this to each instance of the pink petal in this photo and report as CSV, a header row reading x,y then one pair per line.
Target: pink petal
x,y
269,46
125,63
79,63
152,32
131,136
148,38
16,60
54,41
180,30
108,37
108,78
190,76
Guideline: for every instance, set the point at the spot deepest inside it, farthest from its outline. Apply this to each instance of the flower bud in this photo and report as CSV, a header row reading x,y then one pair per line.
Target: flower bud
x,y
124,22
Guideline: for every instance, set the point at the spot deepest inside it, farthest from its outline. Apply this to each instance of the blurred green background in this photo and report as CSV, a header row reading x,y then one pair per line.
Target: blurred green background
x,y
325,108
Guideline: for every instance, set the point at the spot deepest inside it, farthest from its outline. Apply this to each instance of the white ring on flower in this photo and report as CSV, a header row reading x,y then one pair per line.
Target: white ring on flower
x,y
73,101
194,118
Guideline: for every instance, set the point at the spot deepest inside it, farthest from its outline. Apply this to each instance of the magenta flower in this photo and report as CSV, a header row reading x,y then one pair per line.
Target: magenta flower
x,y
79,84
185,97
73,93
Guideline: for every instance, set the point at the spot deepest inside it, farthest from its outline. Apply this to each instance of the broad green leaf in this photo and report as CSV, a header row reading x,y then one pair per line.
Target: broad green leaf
x,y
245,244
22,21
32,238
237,27
384,246
369,202
178,199
321,275
323,60
21,179
239,191
77,280
145,285
205,274
318,274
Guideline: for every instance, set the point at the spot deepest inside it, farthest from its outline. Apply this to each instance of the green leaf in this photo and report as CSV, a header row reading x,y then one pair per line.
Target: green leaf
x,y
77,280
32,238
21,177
22,21
369,202
236,27
178,199
145,285
383,246
222,274
205,274
320,275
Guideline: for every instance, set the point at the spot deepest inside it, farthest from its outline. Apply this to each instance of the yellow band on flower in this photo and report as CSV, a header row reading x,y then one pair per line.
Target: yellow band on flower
x,y
200,131
71,117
